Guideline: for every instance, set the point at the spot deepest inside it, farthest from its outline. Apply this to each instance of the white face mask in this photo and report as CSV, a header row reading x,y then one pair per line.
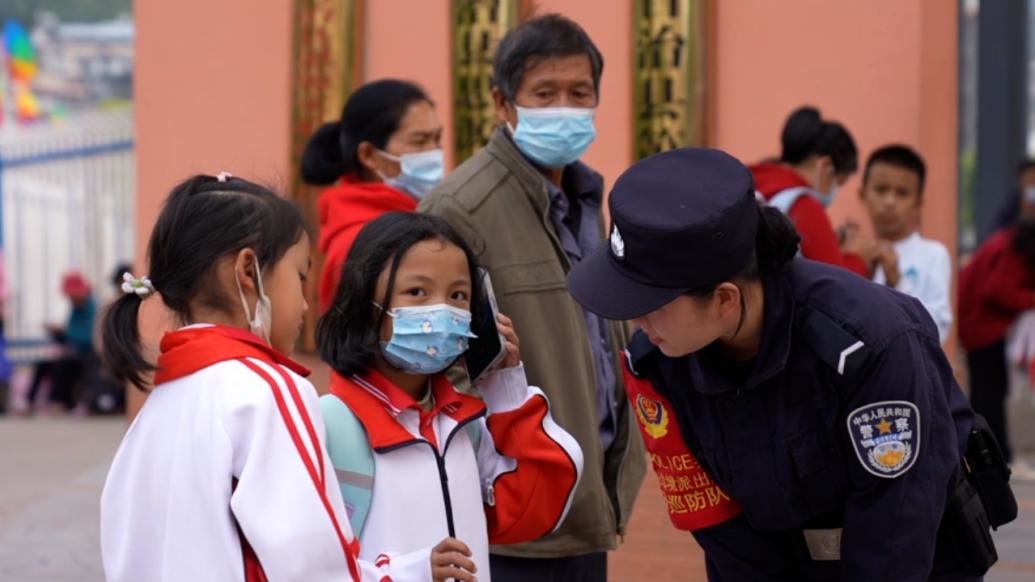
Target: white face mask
x,y
262,324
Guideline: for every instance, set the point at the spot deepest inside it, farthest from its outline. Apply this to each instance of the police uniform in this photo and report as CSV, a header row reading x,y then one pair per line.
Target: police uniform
x,y
841,440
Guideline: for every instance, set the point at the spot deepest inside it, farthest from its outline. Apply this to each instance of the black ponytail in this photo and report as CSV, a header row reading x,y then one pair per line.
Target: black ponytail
x,y
204,220
776,240
805,134
372,114
120,338
323,161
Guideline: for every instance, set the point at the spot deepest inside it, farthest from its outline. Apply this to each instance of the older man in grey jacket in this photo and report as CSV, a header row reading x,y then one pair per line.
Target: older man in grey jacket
x,y
533,210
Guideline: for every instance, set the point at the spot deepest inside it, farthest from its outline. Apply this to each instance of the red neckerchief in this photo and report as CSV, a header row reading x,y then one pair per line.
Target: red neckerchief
x,y
189,350
377,401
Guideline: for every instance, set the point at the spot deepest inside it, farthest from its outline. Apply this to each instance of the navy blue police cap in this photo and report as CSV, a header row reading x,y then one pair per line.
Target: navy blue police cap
x,y
682,220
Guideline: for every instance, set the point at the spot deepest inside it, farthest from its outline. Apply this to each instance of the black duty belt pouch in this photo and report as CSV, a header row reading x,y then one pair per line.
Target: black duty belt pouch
x,y
964,543
979,500
988,473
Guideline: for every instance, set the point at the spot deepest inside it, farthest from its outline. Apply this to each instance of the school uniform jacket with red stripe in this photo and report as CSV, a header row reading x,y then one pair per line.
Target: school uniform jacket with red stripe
x,y
430,482
224,476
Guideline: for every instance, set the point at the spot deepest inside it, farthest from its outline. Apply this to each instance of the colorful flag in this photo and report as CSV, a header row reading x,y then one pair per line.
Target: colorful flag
x,y
21,68
21,57
26,106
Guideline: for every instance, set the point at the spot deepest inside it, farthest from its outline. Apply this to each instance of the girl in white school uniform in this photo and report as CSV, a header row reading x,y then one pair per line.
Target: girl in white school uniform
x,y
223,475
435,461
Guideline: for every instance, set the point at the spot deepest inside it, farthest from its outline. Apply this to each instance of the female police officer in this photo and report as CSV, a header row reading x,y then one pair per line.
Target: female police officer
x,y
820,403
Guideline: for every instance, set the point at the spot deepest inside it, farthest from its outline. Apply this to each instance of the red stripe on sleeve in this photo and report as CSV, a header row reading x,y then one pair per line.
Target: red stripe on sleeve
x,y
530,500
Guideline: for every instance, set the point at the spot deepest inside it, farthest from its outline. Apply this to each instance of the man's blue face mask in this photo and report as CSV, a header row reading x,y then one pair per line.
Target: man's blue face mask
x,y
554,137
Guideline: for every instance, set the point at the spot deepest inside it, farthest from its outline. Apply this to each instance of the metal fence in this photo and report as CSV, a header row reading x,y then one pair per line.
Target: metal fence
x,y
67,192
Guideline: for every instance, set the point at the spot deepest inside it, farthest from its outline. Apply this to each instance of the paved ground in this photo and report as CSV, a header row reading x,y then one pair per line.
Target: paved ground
x,y
54,468
53,472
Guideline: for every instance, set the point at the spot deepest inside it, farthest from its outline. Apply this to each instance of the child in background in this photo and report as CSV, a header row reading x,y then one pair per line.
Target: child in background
x,y
495,469
995,288
893,193
223,474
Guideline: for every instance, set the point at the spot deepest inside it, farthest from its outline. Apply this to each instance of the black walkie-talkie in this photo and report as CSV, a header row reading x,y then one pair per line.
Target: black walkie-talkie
x,y
979,500
989,473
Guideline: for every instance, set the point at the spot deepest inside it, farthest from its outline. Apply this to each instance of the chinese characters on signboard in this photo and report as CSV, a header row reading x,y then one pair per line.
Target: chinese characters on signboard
x,y
478,26
668,71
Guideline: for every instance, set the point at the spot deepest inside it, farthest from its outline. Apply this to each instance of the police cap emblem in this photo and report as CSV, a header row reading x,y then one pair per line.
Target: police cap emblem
x,y
617,243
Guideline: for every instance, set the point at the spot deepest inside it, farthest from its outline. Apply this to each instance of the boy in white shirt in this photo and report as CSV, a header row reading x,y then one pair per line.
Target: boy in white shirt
x,y
892,191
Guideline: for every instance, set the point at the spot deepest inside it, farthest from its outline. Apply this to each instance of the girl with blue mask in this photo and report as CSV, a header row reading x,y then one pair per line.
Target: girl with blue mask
x,y
383,155
440,462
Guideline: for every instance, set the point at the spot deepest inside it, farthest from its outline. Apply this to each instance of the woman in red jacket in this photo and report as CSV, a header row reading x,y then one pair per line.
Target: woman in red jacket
x,y
817,158
995,288
383,155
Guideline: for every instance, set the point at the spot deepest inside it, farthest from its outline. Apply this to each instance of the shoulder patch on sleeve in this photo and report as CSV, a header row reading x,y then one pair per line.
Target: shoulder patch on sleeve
x,y
885,436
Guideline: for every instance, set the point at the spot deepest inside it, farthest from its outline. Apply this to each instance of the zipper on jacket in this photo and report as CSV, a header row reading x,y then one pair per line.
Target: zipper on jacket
x,y
443,478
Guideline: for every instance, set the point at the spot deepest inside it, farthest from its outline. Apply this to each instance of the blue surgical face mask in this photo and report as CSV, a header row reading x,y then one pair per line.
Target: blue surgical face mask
x,y
420,172
554,136
827,199
427,339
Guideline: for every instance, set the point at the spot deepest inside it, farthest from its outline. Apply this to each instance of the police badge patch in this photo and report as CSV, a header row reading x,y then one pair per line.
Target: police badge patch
x,y
886,436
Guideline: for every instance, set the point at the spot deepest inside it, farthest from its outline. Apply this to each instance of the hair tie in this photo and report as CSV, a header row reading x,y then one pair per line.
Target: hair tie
x,y
141,287
222,176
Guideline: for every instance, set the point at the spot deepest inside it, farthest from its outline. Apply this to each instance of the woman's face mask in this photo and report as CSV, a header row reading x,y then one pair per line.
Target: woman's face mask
x,y
262,324
419,172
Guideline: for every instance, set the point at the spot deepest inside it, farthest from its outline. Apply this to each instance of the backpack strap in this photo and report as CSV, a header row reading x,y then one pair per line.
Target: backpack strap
x,y
352,458
784,200
474,433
